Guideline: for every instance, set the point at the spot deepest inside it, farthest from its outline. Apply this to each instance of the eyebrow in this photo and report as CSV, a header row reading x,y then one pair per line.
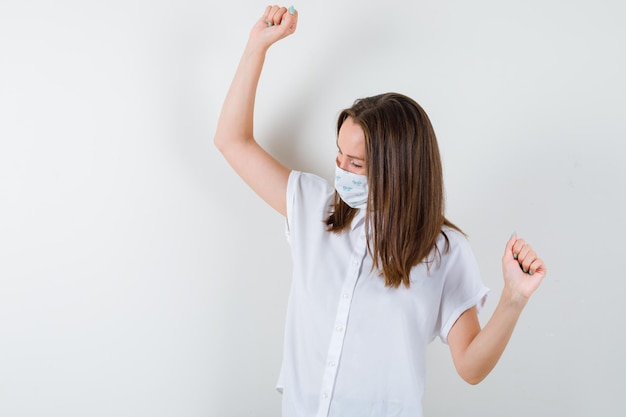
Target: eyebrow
x,y
351,156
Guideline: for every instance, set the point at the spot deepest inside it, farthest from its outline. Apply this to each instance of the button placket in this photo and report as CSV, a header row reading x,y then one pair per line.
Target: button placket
x,y
335,347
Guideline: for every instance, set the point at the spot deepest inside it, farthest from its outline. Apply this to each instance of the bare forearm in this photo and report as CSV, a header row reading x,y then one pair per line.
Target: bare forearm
x,y
235,124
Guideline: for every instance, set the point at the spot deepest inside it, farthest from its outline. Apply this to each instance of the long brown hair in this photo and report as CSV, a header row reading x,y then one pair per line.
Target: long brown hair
x,y
405,208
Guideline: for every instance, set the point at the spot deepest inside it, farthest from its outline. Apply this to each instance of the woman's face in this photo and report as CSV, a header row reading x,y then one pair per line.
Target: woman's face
x,y
351,147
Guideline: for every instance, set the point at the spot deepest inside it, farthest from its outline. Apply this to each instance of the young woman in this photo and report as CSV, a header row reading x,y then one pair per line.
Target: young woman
x,y
379,272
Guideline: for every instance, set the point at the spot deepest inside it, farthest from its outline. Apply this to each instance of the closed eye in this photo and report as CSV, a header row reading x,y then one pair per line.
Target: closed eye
x,y
352,159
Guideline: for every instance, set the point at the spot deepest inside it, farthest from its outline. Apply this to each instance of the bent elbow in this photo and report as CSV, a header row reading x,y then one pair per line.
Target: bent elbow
x,y
228,144
472,378
218,142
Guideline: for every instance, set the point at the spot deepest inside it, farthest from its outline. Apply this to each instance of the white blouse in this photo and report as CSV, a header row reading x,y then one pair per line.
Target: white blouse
x,y
353,347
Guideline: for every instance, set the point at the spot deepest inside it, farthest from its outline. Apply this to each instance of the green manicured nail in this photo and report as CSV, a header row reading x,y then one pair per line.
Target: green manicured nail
x,y
292,10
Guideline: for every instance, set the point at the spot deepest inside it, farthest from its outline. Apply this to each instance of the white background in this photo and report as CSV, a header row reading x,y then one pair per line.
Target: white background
x,y
140,277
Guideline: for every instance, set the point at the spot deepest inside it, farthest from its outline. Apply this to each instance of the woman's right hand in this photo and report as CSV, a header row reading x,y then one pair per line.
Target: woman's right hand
x,y
275,24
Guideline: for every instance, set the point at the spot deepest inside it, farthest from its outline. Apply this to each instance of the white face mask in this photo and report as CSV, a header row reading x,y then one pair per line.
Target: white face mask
x,y
352,188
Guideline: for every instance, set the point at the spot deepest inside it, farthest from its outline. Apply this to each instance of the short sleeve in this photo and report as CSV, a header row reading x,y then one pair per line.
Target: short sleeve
x,y
463,287
307,198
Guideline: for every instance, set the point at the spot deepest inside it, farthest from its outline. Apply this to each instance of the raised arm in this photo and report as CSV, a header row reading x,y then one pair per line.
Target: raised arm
x,y
234,136
475,352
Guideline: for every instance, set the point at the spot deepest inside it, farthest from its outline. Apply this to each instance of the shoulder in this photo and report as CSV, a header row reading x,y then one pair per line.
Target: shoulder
x,y
308,194
306,180
454,247
305,186
452,239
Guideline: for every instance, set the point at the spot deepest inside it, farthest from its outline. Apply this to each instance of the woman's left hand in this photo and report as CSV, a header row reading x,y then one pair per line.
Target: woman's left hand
x,y
523,271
